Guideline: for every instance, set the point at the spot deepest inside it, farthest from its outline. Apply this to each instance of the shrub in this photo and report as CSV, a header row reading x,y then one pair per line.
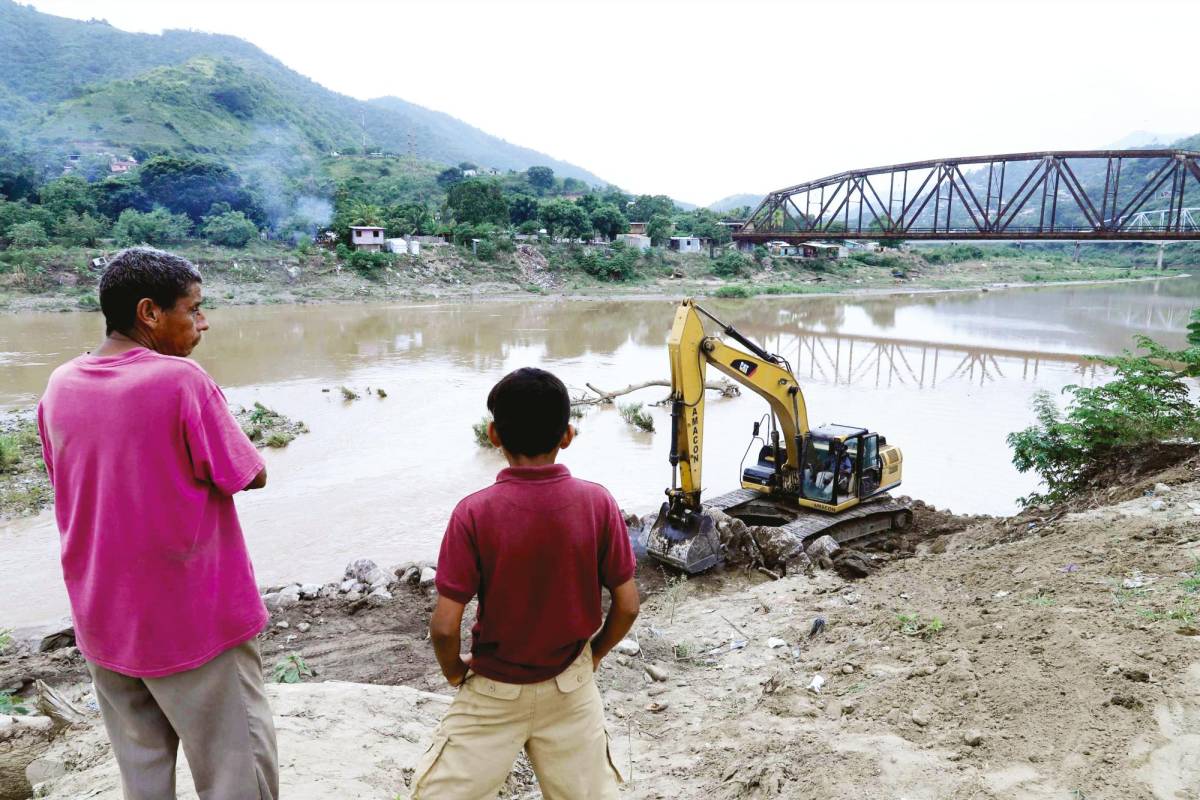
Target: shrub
x,y
618,263
1145,403
634,415
152,227
731,265
28,234
230,229
735,291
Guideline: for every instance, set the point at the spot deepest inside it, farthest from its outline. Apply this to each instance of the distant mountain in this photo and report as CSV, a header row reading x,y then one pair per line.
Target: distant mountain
x,y
735,201
69,85
1144,139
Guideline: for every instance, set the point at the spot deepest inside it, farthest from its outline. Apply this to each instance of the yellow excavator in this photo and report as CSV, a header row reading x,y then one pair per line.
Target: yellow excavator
x,y
828,480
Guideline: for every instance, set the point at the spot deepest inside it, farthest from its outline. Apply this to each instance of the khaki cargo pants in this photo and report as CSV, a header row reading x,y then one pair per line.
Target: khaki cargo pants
x,y
219,711
559,723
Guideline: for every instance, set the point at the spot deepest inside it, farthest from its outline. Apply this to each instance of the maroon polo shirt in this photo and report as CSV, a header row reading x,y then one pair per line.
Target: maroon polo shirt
x,y
536,547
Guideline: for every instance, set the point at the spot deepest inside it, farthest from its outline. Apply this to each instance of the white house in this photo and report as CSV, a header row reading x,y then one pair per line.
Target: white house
x,y
638,240
687,244
366,237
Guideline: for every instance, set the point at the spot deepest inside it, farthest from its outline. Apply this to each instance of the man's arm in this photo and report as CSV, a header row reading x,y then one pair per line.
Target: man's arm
x,y
444,630
259,481
621,614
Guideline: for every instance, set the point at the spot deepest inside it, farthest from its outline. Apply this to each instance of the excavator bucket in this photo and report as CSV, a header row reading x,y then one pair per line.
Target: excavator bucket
x,y
686,540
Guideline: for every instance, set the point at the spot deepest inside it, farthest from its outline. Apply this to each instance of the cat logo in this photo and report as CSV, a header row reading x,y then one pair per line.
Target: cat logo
x,y
743,366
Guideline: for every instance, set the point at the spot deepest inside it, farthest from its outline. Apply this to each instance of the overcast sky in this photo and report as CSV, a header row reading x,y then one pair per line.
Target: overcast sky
x,y
701,99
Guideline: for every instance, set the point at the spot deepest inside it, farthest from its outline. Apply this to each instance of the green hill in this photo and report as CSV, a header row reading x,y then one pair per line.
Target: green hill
x,y
68,85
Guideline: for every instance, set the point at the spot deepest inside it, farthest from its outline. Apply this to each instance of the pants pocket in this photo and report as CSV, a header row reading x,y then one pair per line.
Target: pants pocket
x,y
426,763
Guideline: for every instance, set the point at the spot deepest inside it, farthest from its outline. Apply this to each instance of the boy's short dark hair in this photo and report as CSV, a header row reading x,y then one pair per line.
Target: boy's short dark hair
x,y
138,272
531,409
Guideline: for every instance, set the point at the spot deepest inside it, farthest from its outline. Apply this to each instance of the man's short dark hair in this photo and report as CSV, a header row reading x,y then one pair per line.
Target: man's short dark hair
x,y
138,272
531,409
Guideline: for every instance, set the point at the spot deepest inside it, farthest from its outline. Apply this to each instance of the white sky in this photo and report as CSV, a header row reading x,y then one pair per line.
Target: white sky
x,y
701,99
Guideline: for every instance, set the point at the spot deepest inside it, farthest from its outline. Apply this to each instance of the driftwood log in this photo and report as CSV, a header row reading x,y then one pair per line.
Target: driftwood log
x,y
603,397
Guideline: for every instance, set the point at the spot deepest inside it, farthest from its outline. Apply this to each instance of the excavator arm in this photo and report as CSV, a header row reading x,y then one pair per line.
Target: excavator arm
x,y
691,351
683,534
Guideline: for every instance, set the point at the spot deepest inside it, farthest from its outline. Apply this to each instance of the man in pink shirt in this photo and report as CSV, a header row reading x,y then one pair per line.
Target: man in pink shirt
x,y
145,458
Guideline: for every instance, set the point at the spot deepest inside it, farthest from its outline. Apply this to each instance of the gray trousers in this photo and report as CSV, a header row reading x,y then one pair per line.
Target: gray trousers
x,y
219,711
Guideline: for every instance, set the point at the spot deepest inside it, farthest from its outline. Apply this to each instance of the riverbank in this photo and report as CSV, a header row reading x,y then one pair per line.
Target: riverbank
x,y
62,279
1048,654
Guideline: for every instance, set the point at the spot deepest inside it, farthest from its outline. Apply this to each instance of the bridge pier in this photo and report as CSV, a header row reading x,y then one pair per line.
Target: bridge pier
x,y
1162,247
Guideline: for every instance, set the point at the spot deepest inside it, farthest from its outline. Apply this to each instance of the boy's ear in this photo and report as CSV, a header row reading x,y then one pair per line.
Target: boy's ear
x,y
568,437
494,437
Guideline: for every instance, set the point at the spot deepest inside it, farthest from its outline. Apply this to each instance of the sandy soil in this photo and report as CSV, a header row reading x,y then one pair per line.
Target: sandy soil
x,y
1055,654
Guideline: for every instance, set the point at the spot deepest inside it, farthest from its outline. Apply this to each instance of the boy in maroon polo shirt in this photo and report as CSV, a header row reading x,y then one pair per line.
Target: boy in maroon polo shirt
x,y
536,547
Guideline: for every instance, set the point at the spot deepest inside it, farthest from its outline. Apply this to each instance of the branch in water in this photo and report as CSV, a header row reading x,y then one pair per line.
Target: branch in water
x,y
603,397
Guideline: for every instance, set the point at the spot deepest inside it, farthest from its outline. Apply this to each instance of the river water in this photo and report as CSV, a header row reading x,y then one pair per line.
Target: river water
x,y
945,376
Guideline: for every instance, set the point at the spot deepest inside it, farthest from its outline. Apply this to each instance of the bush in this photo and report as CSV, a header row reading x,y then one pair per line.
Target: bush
x,y
367,263
953,253
230,229
28,234
617,263
736,291
731,265
1145,403
152,227
634,415
879,260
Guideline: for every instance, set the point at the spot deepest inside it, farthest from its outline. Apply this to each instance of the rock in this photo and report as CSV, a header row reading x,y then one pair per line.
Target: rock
x,y
823,547
284,598
815,684
57,640
428,576
43,769
656,673
411,575
310,591
1157,505
350,597
303,627
366,571
847,669
348,585
282,625
379,596
628,647
775,642
973,737
6,724
35,722
853,564
328,590
1162,488
1136,675
920,717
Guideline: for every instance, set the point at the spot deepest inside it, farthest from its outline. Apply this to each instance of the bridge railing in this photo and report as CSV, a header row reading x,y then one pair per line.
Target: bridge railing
x,y
1080,195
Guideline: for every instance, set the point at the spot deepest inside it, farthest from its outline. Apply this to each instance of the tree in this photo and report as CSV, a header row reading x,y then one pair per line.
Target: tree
x,y
466,165
153,227
556,216
522,208
450,176
577,224
69,194
406,219
540,178
573,185
231,229
191,186
115,194
646,206
24,235
608,221
707,225
477,201
81,229
659,229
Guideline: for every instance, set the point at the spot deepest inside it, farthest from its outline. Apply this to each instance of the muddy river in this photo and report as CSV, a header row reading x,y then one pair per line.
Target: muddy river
x,y
944,376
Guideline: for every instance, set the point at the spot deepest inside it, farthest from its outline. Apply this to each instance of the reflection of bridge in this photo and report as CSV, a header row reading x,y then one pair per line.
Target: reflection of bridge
x,y
1075,195
849,358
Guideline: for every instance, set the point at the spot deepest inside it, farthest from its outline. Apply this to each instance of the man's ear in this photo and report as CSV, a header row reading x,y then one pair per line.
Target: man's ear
x,y
494,437
567,438
147,312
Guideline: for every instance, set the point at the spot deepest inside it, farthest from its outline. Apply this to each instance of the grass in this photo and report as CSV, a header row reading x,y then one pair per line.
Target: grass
x,y
348,394
676,589
480,429
913,625
24,484
634,415
266,427
1191,584
291,669
11,707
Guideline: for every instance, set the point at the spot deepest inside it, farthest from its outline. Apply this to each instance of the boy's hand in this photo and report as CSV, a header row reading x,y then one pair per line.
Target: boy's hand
x,y
460,676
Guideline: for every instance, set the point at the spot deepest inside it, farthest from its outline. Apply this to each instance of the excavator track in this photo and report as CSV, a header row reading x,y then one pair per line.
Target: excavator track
x,y
871,521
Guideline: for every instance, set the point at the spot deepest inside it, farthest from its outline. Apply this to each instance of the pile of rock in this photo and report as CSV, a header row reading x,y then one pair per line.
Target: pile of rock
x,y
363,578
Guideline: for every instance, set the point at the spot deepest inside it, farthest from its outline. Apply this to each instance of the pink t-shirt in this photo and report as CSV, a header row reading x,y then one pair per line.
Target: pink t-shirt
x,y
145,457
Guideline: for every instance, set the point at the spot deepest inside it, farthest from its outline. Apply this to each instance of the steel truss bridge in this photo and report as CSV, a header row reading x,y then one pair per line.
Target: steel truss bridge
x,y
1077,195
